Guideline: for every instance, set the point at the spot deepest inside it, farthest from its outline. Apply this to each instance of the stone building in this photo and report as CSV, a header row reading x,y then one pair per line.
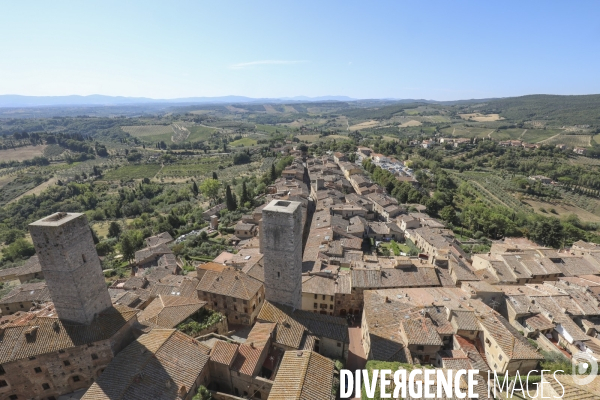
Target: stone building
x,y
24,297
232,293
162,364
67,254
43,357
281,243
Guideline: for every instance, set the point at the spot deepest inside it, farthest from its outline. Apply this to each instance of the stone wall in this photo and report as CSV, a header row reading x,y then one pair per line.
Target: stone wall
x,y
282,246
67,254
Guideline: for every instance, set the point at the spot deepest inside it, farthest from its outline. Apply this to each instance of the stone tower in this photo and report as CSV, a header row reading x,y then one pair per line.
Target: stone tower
x,y
66,251
281,242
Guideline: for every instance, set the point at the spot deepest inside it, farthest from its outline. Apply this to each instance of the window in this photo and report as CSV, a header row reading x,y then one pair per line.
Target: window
x,y
331,306
323,297
331,298
21,305
246,302
315,296
245,310
94,356
83,257
278,274
3,384
253,307
245,394
37,370
234,308
315,305
487,341
420,348
45,386
2,372
32,357
339,344
51,398
67,363
13,397
215,303
76,378
61,351
500,357
234,300
236,391
339,302
236,317
495,366
8,308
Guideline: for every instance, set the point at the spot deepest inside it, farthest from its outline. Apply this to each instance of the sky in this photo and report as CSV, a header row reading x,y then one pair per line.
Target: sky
x,y
439,50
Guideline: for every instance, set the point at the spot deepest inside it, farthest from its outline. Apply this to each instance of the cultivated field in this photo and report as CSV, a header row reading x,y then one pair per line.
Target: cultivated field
x,y
569,140
270,110
142,131
561,210
364,125
22,153
411,122
132,172
243,142
481,117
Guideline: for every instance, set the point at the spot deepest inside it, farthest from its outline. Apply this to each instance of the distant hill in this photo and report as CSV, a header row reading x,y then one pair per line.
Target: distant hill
x,y
11,100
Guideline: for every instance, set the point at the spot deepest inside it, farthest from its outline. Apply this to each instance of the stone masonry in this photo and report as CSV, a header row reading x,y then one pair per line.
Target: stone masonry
x,y
281,237
66,251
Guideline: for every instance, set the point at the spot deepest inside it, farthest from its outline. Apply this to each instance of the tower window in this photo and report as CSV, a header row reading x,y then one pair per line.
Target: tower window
x,y
3,384
76,378
67,363
94,356
45,386
37,370
83,257
278,274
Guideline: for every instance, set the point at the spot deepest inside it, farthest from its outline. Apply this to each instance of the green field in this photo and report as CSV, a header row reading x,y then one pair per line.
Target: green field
x,y
132,172
597,139
243,142
200,133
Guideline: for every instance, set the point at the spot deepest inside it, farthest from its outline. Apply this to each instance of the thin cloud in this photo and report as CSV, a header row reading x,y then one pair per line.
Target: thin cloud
x,y
266,62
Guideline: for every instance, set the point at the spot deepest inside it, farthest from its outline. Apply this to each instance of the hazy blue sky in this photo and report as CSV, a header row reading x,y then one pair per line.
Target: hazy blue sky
x,y
370,49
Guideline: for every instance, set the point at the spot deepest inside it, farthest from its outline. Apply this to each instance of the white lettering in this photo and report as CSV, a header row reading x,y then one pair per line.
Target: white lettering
x,y
517,379
412,384
400,384
384,383
429,383
472,382
346,383
370,387
563,388
457,391
444,382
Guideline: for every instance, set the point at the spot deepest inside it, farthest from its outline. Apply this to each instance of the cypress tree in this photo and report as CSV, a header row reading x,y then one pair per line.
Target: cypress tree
x,y
273,174
215,176
229,199
245,197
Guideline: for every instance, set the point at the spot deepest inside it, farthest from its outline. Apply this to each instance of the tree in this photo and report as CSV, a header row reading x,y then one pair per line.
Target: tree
x,y
448,214
202,394
230,200
245,196
18,250
130,242
210,188
114,230
215,176
273,173
195,189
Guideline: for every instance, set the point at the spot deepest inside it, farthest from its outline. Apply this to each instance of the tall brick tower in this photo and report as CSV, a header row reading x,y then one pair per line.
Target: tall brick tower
x,y
66,251
281,242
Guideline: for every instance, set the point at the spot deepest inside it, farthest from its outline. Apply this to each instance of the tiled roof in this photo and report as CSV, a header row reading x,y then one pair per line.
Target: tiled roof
x,y
187,288
303,375
394,277
170,311
155,366
148,252
420,331
292,325
53,334
319,285
465,320
223,352
29,292
539,322
468,347
513,344
230,282
161,238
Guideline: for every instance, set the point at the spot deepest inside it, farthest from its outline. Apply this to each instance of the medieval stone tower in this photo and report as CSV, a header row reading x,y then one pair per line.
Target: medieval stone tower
x,y
65,248
281,236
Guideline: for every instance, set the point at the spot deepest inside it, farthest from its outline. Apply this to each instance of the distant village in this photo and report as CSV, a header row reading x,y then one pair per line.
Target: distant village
x,y
302,291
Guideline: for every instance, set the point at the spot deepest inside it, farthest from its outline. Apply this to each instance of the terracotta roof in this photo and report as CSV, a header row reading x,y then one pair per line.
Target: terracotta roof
x,y
184,288
230,282
303,375
223,352
155,366
292,325
29,292
212,266
247,359
148,252
468,347
539,322
161,238
170,311
513,344
420,331
223,257
53,334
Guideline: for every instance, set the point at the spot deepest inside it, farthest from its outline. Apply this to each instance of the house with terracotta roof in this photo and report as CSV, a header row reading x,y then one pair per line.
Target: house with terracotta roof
x,y
24,297
32,269
162,238
303,375
169,311
232,293
163,363
42,356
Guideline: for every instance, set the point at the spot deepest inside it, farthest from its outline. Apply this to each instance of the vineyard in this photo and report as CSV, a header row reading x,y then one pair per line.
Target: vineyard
x,y
150,133
570,140
127,172
493,189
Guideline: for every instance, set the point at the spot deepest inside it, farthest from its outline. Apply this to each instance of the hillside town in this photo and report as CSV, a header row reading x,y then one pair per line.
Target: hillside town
x,y
330,271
